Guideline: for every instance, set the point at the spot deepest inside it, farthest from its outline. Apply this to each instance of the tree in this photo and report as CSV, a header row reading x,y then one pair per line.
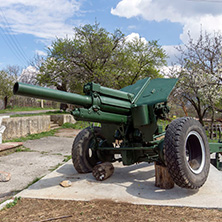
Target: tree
x,y
29,75
8,77
94,54
142,59
199,75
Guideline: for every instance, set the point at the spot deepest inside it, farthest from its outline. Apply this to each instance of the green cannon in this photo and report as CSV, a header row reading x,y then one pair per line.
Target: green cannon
x,y
129,131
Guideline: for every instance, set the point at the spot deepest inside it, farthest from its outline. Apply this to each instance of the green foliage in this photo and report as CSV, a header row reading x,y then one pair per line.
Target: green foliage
x,y
6,83
163,123
141,59
12,204
55,167
8,77
67,158
94,54
200,74
33,136
23,149
34,181
79,125
20,109
39,114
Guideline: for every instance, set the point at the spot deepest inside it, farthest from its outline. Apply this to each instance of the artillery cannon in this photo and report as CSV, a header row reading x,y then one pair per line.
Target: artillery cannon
x,y
129,131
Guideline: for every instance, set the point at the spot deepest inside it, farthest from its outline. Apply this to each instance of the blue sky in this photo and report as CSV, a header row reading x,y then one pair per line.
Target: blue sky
x,y
27,27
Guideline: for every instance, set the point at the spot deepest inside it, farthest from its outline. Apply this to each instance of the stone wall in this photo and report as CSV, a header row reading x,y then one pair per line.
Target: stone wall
x,y
60,119
17,127
22,126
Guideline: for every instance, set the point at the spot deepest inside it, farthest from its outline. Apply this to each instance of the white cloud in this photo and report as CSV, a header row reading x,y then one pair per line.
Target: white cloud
x,y
42,18
131,27
40,53
172,53
193,15
133,36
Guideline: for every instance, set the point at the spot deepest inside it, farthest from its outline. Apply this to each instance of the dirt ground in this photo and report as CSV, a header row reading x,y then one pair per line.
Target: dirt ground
x,y
31,210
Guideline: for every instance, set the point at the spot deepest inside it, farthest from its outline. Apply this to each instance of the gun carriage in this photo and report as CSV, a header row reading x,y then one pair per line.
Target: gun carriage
x,y
130,132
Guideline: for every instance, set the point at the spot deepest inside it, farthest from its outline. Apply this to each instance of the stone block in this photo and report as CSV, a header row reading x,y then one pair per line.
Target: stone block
x,y
61,119
22,126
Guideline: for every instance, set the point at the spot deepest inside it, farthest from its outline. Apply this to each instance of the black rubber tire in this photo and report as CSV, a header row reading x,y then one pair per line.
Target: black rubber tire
x,y
186,153
83,157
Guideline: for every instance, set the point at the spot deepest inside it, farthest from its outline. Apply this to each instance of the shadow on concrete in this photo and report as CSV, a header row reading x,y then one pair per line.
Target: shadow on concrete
x,y
136,180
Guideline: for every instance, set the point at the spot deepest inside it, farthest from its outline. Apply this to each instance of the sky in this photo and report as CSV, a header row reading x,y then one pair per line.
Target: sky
x,y
28,27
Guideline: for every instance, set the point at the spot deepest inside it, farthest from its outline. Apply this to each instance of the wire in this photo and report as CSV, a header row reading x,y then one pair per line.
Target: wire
x,y
10,47
12,41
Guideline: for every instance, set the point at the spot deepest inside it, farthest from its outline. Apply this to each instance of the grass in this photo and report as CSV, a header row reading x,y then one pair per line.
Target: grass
x,y
34,181
33,136
55,167
79,125
12,204
163,123
67,158
21,109
23,149
58,112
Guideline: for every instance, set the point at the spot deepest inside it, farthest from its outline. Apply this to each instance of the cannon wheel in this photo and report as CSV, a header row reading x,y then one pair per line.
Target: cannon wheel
x,y
84,158
186,153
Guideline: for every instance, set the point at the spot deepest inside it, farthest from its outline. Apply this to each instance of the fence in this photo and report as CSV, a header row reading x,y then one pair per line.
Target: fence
x,y
214,132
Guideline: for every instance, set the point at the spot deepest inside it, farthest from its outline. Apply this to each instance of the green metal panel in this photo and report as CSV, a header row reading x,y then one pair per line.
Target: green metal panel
x,y
140,116
135,88
93,87
140,92
101,117
157,91
215,147
115,102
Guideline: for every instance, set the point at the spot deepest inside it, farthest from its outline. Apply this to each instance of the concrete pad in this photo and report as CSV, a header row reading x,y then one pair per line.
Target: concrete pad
x,y
133,184
44,155
51,144
23,170
67,133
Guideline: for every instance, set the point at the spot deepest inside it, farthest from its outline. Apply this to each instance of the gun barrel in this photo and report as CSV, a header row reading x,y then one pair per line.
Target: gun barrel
x,y
105,103
51,94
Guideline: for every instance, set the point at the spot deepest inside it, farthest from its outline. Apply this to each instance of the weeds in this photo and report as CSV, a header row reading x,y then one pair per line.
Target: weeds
x,y
146,209
23,149
55,167
34,181
40,114
33,136
67,158
21,109
79,125
12,204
